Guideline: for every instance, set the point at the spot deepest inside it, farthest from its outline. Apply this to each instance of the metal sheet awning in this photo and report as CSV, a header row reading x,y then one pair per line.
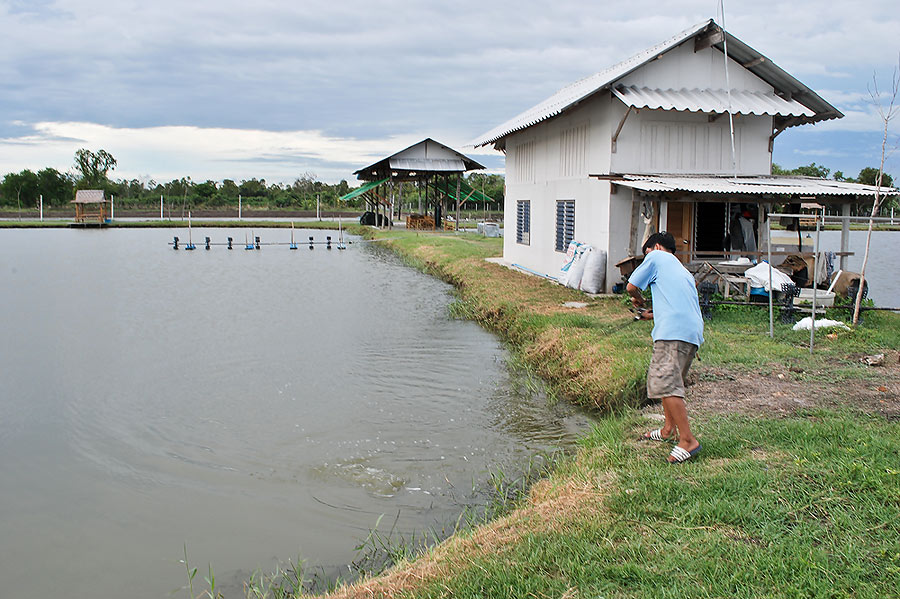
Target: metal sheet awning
x,y
755,185
362,189
428,164
711,100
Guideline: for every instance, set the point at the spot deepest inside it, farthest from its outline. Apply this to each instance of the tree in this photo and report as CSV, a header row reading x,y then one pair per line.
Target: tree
x,y
206,190
93,167
887,114
839,176
21,186
869,176
56,187
812,170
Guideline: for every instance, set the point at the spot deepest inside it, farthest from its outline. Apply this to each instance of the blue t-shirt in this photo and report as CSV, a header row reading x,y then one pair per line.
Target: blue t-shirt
x,y
676,309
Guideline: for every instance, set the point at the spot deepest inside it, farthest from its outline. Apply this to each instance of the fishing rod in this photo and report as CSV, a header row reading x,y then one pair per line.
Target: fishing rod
x,y
638,315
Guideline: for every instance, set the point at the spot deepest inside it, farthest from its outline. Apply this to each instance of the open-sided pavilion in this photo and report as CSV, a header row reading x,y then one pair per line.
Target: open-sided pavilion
x,y
435,169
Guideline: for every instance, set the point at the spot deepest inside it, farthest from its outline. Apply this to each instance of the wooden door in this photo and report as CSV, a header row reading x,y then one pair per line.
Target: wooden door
x,y
679,221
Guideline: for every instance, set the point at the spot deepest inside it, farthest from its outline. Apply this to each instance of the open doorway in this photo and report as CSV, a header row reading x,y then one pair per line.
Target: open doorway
x,y
712,229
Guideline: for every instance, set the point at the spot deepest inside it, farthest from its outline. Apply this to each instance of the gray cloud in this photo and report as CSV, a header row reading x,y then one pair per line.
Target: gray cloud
x,y
377,68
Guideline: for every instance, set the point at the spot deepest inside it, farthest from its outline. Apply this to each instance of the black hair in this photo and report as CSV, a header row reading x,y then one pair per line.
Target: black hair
x,y
663,238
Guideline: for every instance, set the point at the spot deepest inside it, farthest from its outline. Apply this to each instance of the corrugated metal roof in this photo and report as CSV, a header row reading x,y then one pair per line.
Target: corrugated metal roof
x,y
572,94
711,100
426,156
759,185
362,189
428,164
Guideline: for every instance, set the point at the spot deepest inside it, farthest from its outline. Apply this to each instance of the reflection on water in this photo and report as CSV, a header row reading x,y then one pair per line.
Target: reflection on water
x,y
251,405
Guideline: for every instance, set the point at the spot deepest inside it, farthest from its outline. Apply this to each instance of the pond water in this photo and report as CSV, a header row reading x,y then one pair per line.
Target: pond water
x,y
251,405
882,268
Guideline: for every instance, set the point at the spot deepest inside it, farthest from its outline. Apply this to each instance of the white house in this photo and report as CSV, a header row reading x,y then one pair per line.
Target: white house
x,y
646,145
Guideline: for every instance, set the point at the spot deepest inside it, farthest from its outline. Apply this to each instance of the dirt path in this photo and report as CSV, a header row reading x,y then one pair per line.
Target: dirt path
x,y
781,392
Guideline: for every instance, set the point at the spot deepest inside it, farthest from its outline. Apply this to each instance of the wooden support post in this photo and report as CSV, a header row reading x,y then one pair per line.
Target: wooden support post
x,y
458,185
615,136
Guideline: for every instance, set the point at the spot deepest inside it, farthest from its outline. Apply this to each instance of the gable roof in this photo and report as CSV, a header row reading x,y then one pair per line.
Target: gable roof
x,y
427,156
89,196
786,86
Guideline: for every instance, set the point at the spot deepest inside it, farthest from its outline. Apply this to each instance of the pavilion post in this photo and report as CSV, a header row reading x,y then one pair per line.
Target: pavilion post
x,y
391,220
458,181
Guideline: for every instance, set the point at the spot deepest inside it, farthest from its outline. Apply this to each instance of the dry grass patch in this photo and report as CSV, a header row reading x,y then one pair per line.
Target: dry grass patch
x,y
550,507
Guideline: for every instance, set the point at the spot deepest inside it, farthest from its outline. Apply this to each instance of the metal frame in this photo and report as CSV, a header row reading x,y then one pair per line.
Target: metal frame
x,y
820,218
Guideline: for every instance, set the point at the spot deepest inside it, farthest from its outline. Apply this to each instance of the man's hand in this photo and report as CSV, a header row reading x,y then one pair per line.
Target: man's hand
x,y
637,298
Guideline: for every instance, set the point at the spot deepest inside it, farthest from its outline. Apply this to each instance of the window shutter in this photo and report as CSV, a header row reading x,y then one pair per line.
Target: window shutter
x,y
565,224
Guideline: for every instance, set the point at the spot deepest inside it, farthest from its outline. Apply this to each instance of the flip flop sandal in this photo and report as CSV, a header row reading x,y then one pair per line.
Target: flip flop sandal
x,y
680,455
655,435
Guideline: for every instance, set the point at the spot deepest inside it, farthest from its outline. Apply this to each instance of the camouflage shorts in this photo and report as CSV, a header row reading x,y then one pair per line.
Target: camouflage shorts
x,y
669,367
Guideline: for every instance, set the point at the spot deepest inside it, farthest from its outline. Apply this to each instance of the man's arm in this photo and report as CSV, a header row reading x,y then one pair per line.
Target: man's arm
x,y
637,300
637,297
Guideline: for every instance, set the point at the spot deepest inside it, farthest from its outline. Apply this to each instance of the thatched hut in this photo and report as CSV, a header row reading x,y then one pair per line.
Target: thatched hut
x,y
91,207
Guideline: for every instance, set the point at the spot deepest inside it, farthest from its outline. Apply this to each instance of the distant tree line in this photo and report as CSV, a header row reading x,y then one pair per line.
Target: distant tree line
x,y
867,176
91,171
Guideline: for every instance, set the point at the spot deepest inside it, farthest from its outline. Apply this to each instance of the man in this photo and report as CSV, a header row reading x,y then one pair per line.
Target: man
x,y
677,334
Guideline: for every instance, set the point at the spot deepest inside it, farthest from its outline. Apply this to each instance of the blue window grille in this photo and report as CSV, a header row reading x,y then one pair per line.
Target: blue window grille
x,y
565,224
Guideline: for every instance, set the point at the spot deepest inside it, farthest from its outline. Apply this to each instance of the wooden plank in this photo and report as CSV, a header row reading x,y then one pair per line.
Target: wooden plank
x,y
708,40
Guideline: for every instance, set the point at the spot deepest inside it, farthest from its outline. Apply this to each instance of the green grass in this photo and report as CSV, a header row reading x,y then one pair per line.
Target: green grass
x,y
807,506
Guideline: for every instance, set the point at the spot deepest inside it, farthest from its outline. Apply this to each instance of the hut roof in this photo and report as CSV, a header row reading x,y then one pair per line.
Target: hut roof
x,y
427,156
89,196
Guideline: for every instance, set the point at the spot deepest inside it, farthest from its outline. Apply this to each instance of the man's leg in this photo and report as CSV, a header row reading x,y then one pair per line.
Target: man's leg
x,y
676,409
668,429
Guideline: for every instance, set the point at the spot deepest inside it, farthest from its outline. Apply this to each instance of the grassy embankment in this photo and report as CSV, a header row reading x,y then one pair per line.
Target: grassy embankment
x,y
793,502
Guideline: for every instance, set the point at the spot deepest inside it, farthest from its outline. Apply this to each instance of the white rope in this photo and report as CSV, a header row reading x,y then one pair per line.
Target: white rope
x,y
728,88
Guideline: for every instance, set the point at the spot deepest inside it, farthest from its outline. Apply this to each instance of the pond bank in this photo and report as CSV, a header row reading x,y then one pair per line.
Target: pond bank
x,y
797,491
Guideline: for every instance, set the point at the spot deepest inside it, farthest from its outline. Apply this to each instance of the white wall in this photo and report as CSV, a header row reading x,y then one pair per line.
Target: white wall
x,y
660,141
554,179
682,68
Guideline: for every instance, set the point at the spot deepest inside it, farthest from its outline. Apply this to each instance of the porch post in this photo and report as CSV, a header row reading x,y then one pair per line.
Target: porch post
x,y
663,216
764,233
845,234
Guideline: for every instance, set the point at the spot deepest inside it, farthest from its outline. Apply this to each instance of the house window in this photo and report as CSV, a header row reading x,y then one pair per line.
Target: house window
x,y
523,222
565,224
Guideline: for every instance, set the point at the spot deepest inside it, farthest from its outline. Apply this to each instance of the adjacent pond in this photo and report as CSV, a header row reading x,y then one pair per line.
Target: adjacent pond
x,y
253,405
882,269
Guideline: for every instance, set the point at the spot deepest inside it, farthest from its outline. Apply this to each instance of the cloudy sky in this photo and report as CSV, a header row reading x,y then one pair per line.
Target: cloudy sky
x,y
276,88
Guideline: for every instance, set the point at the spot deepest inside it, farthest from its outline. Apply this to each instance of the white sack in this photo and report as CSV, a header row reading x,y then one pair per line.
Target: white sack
x,y
563,276
759,277
593,280
822,323
576,270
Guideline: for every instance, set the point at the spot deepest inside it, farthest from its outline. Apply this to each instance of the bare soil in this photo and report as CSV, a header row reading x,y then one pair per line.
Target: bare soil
x,y
782,392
